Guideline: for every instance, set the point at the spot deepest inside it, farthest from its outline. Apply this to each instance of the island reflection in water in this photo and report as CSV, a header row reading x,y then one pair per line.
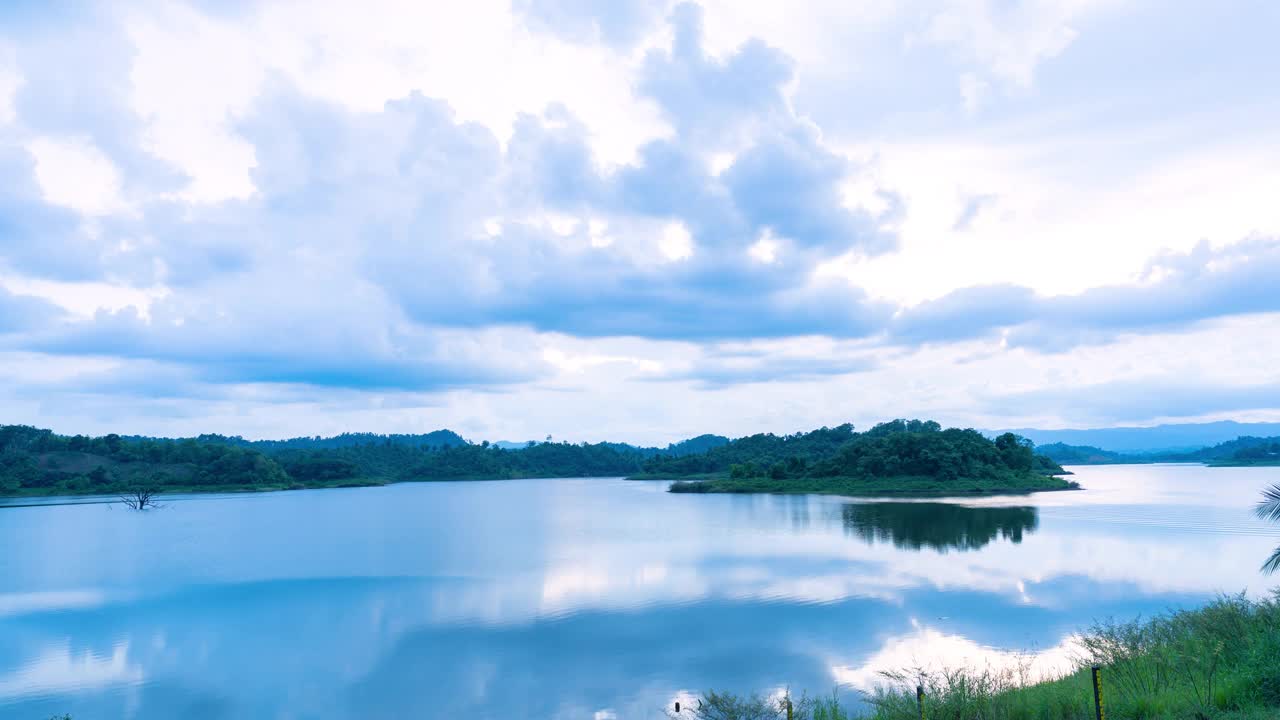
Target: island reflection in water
x,y
938,526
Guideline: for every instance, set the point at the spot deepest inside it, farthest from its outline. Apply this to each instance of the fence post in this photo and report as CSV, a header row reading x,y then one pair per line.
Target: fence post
x,y
1098,708
920,700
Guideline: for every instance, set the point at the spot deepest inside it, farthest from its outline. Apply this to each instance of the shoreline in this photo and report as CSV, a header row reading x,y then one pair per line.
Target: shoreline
x,y
908,486
114,495
698,484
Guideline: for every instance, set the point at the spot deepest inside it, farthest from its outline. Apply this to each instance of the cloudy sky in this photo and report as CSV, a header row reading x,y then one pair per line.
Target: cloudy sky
x,y
636,220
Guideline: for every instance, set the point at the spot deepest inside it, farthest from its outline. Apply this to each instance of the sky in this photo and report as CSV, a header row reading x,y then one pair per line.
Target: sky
x,y
636,220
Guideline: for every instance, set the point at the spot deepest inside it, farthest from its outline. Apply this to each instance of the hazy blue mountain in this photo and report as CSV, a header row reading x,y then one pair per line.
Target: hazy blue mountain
x,y
1242,449
1159,438
1064,454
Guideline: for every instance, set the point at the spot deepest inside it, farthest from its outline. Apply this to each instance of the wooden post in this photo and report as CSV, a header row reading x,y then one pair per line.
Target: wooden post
x,y
920,700
1098,707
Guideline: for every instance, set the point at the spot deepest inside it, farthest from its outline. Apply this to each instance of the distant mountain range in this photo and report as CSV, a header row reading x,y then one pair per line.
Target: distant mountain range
x,y
692,446
1181,438
438,439
1244,450
435,438
1188,442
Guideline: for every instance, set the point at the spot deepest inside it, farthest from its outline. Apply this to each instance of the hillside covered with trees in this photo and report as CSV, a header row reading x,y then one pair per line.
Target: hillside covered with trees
x,y
36,461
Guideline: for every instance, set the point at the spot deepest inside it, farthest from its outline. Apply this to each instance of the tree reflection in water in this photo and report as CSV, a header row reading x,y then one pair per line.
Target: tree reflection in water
x,y
940,526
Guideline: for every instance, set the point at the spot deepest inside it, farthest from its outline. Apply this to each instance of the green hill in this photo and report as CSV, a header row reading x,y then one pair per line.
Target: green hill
x,y
38,462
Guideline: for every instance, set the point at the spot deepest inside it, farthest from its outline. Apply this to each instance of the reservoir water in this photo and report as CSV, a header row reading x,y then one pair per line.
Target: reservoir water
x,y
582,598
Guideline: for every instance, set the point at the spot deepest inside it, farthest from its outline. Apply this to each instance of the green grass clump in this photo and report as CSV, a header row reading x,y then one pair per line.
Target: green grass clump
x,y
1218,662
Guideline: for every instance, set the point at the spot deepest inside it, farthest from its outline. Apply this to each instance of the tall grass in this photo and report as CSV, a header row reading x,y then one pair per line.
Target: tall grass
x,y
727,706
1221,661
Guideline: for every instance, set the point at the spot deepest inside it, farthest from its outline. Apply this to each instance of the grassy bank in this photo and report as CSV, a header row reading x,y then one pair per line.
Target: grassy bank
x,y
1219,662
907,485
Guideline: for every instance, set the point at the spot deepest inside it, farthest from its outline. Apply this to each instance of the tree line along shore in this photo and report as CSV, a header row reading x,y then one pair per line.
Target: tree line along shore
x,y
906,457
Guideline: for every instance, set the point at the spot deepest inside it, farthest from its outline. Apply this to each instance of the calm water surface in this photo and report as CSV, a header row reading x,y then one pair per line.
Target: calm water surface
x,y
578,598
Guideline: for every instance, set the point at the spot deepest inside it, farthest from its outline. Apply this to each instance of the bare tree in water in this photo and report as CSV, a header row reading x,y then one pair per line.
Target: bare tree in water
x,y
139,499
1269,509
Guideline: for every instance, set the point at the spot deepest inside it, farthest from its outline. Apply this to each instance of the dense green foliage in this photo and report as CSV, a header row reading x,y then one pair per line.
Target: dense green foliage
x,y
903,455
1221,661
920,457
1259,451
39,462
539,460
755,454
390,461
35,461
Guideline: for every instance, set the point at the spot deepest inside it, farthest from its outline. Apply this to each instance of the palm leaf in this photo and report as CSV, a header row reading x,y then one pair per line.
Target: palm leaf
x,y
1273,563
1269,508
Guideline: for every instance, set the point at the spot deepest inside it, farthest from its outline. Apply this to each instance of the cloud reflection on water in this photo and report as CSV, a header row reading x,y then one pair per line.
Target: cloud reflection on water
x,y
485,594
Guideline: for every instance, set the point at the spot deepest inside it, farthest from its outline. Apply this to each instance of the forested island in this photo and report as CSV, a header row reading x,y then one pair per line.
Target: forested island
x,y
900,457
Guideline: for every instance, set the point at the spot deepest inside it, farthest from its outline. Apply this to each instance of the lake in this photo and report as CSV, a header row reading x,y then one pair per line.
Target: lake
x,y
581,598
